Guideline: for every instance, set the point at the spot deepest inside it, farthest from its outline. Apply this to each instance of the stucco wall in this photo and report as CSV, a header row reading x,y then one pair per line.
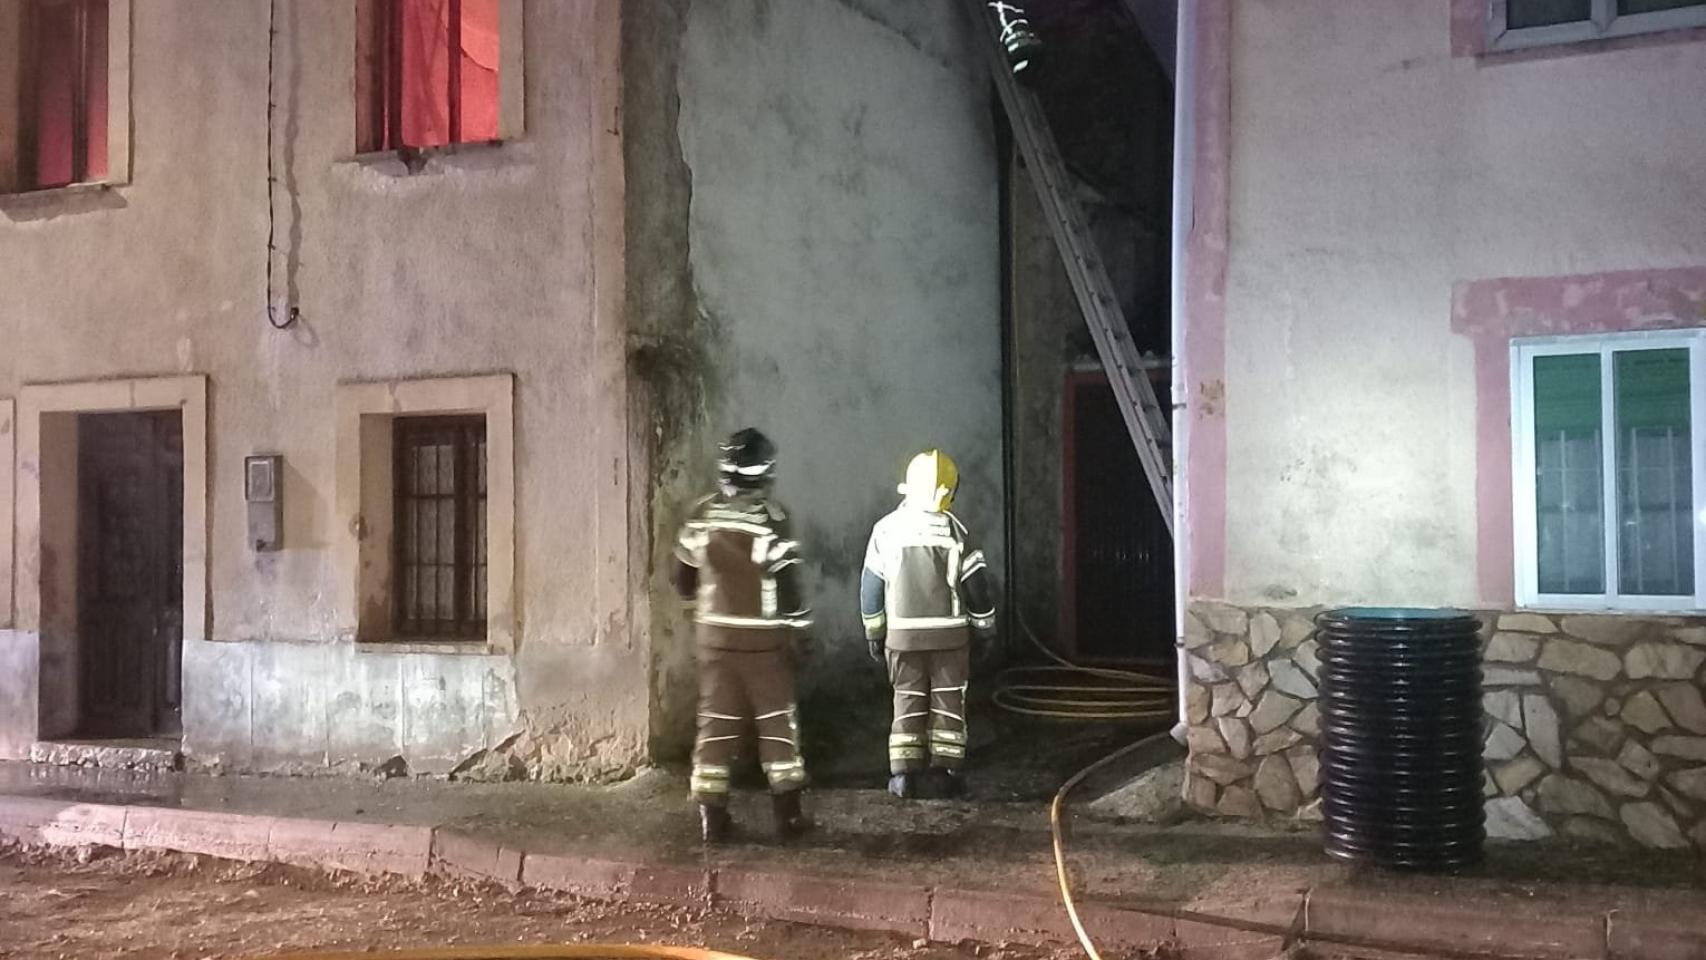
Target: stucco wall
x,y
1048,335
491,260
1371,170
844,255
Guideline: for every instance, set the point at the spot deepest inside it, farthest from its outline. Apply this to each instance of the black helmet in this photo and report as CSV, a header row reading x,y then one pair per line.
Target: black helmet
x,y
746,462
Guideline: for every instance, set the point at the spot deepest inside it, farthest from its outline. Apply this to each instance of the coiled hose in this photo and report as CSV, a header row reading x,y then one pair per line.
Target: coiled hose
x,y
1102,693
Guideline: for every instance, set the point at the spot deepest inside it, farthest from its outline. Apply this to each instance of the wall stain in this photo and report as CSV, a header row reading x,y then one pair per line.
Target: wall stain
x,y
1211,398
670,343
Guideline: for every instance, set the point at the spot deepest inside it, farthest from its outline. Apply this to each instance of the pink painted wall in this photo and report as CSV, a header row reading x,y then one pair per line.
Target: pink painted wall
x,y
1362,170
1469,38
1491,313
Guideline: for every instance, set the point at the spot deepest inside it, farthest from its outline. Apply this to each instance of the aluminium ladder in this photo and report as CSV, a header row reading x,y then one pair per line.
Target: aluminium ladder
x,y
1145,419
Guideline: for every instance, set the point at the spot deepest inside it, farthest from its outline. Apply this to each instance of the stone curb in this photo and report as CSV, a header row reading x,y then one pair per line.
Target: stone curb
x,y
1383,922
1428,926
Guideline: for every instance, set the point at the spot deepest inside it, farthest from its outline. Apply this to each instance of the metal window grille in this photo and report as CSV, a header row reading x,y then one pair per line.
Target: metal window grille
x,y
440,536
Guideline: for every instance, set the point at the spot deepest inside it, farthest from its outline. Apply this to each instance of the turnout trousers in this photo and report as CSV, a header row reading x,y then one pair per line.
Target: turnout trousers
x,y
738,689
929,709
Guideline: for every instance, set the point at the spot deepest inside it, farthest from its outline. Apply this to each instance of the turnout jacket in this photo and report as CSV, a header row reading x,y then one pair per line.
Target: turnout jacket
x,y
924,586
738,564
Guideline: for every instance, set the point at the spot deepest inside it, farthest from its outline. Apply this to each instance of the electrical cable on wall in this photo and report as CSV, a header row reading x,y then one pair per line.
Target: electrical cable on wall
x,y
292,314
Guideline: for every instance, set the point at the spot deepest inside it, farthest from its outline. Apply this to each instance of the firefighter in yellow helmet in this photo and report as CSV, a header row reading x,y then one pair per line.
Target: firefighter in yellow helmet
x,y
924,593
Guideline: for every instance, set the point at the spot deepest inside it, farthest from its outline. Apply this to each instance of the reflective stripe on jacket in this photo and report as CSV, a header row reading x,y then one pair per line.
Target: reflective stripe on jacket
x,y
924,586
737,563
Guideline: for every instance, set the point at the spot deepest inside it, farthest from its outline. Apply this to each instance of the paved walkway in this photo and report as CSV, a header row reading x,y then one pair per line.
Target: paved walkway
x,y
943,870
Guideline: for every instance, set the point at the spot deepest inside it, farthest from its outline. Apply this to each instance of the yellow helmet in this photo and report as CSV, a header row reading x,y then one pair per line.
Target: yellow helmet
x,y
931,481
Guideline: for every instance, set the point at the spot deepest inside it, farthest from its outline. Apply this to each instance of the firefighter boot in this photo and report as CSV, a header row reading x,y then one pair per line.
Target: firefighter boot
x,y
945,784
904,786
715,824
791,821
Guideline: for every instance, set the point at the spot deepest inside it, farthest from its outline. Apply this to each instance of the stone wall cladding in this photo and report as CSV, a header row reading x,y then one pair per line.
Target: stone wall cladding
x,y
1252,713
1595,724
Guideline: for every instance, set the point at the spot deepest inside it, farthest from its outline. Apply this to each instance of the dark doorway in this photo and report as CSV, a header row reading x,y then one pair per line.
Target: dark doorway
x,y
130,497
1118,555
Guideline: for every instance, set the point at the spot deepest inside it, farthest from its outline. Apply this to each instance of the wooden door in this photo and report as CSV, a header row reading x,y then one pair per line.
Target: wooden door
x,y
130,573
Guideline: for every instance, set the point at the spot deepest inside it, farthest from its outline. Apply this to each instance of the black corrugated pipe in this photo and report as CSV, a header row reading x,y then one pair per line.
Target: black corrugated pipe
x,y
1401,736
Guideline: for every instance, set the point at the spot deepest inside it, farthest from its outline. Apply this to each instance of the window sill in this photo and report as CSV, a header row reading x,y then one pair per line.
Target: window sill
x,y
1567,610
96,190
425,161
1522,52
457,648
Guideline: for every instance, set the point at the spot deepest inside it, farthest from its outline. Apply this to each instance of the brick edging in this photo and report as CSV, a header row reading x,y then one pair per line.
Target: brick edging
x,y
1387,922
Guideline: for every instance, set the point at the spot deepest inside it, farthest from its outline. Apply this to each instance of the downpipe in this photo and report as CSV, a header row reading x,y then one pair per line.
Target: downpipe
x,y
1184,201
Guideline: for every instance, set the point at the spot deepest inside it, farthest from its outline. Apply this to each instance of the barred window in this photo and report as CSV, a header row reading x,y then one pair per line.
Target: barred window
x,y
440,499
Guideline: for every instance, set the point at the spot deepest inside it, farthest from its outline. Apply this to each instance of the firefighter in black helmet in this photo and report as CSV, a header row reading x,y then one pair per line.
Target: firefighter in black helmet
x,y
738,565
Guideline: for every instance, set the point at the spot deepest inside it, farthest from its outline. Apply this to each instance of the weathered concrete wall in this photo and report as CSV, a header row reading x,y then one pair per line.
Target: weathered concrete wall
x,y
491,259
1048,337
670,342
844,250
20,669
1371,170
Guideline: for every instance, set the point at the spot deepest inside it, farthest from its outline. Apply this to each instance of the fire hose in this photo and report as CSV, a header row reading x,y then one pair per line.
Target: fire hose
x,y
1113,694
565,952
1109,694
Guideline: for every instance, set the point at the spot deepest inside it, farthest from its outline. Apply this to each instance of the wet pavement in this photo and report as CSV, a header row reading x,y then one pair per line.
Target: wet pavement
x,y
998,838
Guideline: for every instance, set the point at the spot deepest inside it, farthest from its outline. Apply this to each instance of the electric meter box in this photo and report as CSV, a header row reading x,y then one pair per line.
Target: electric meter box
x,y
263,491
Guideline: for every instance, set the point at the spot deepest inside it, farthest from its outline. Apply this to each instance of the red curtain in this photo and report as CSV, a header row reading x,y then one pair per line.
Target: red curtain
x,y
480,70
66,37
429,43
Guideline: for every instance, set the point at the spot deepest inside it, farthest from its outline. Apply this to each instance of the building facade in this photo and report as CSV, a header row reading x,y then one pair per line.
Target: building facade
x,y
1443,329
357,358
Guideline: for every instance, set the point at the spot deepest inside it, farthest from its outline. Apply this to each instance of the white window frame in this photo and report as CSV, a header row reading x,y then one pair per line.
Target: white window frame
x,y
1604,24
1524,516
364,491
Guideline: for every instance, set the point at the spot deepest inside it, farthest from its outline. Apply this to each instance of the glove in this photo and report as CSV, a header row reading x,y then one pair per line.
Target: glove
x,y
875,648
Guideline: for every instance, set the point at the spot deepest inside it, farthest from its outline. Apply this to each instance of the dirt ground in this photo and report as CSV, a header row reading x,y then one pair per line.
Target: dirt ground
x,y
98,902
103,903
